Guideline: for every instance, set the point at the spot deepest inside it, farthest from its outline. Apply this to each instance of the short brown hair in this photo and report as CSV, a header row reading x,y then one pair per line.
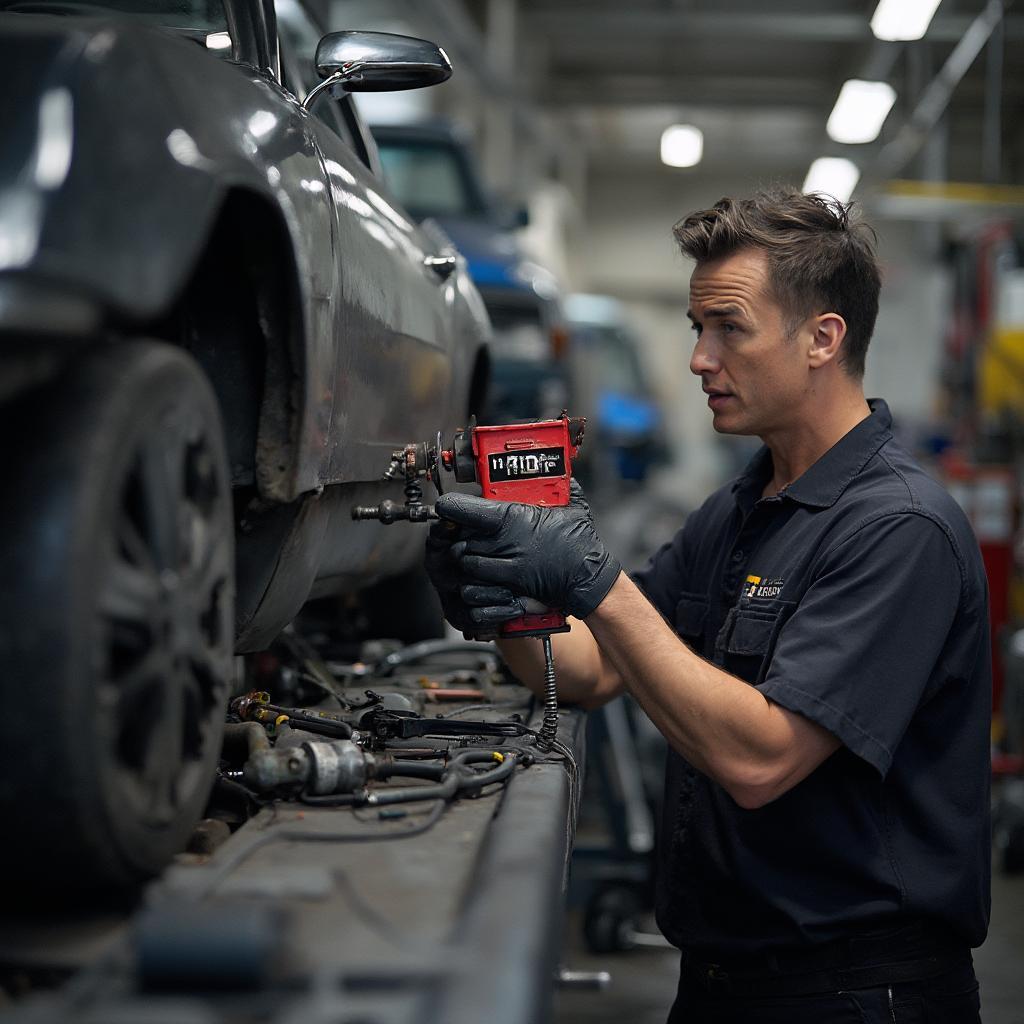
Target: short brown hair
x,y
820,260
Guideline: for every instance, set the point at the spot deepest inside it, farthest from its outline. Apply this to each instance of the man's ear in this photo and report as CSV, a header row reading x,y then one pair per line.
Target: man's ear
x,y
829,332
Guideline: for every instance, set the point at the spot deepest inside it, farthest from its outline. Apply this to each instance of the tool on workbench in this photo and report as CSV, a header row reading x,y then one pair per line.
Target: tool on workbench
x,y
530,463
256,707
405,725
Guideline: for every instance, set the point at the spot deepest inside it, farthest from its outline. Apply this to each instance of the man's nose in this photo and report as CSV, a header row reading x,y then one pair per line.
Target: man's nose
x,y
703,359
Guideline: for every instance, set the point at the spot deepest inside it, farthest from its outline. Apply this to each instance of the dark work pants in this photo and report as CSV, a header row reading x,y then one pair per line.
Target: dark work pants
x,y
950,998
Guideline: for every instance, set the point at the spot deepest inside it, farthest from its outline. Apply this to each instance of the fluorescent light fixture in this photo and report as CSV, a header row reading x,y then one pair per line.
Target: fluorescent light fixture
x,y
834,176
218,41
860,111
900,20
682,145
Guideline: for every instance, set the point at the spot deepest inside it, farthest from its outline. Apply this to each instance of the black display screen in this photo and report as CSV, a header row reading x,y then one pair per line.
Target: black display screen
x,y
539,462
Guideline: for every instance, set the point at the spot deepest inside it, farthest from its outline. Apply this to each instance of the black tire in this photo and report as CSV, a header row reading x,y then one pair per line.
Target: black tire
x,y
116,616
611,917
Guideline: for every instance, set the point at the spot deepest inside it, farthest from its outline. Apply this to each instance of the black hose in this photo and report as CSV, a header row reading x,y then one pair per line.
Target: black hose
x,y
457,778
252,734
334,799
471,755
454,778
414,770
322,727
321,724
413,750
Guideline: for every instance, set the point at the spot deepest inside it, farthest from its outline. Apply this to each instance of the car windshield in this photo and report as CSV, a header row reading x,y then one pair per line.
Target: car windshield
x,y
204,15
429,179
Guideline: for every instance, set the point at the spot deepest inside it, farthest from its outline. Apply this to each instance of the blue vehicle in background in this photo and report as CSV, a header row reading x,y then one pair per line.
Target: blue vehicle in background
x,y
624,422
430,168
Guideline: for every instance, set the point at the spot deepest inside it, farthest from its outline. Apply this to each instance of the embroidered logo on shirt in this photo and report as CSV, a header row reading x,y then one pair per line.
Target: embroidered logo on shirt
x,y
756,586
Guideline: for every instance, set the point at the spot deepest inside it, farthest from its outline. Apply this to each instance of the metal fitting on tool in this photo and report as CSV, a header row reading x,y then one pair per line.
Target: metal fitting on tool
x,y
413,462
319,768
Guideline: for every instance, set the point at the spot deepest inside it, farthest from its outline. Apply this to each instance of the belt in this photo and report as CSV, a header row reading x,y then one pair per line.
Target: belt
x,y
717,981
908,953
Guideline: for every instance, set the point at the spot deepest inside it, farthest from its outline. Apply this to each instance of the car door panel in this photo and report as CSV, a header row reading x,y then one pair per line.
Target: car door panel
x,y
392,319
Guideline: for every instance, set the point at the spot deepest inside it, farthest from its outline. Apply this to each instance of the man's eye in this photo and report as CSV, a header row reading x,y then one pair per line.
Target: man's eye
x,y
696,328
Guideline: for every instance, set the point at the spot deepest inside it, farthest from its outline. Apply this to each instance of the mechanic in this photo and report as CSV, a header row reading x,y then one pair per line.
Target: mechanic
x,y
813,644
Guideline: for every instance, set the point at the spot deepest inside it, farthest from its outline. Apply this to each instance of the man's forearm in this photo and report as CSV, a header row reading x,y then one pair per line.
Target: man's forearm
x,y
723,726
584,676
720,724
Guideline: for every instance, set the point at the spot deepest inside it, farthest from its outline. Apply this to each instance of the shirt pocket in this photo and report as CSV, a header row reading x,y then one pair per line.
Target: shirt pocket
x,y
747,640
690,619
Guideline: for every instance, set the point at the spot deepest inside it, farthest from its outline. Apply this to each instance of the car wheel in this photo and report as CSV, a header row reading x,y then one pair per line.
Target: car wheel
x,y
117,556
610,918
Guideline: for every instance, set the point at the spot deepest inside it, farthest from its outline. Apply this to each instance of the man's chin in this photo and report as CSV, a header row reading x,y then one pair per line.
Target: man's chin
x,y
724,424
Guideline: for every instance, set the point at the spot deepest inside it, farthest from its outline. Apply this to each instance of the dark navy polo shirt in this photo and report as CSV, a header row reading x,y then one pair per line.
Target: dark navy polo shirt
x,y
856,597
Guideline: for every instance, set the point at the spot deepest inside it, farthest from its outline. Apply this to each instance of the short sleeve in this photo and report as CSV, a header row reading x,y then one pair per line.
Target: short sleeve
x,y
858,653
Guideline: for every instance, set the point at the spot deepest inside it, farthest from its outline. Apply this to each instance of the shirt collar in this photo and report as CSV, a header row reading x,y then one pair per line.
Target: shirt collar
x,y
825,481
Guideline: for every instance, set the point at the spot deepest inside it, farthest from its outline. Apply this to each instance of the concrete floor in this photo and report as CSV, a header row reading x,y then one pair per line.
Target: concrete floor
x,y
644,981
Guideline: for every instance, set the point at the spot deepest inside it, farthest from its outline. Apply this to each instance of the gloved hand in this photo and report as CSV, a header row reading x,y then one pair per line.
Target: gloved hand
x,y
553,555
469,607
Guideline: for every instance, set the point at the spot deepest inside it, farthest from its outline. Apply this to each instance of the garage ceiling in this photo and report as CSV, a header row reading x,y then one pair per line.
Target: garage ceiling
x,y
759,78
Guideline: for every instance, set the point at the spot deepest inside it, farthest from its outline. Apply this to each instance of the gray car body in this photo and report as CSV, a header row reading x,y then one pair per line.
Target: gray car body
x,y
125,145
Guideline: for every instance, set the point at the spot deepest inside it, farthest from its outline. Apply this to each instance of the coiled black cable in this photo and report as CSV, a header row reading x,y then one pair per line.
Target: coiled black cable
x,y
549,726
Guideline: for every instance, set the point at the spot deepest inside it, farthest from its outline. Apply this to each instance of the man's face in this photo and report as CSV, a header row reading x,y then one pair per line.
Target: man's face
x,y
752,366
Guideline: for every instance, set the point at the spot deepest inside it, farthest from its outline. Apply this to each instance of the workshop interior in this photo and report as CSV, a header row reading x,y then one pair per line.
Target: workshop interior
x,y
277,274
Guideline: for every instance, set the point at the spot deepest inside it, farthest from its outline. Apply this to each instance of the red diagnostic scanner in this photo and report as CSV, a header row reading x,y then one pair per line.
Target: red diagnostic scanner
x,y
530,463
526,462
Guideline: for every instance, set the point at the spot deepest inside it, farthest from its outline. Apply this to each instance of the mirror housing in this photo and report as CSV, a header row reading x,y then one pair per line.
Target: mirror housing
x,y
378,62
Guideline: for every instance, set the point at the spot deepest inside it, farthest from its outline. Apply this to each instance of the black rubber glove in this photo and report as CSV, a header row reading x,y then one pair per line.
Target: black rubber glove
x,y
553,555
469,607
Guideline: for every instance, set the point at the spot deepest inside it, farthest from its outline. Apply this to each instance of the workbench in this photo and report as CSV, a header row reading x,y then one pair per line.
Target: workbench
x,y
309,913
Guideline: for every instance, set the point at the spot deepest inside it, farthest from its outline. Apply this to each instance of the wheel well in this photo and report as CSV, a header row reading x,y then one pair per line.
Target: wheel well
x,y
239,316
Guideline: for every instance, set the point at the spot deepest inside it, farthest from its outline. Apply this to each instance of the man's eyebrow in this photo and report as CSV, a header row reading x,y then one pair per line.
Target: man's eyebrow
x,y
729,309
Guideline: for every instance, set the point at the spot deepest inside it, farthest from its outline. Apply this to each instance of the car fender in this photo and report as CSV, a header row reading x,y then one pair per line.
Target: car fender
x,y
72,185
120,217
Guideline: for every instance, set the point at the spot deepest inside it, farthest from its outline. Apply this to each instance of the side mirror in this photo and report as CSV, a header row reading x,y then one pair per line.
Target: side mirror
x,y
377,62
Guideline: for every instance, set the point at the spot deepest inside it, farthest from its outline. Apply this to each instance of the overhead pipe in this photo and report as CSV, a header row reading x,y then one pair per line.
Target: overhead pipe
x,y
992,135
937,94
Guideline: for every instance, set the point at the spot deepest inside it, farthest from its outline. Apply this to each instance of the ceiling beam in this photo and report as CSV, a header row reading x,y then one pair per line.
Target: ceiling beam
x,y
618,24
752,93
621,89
